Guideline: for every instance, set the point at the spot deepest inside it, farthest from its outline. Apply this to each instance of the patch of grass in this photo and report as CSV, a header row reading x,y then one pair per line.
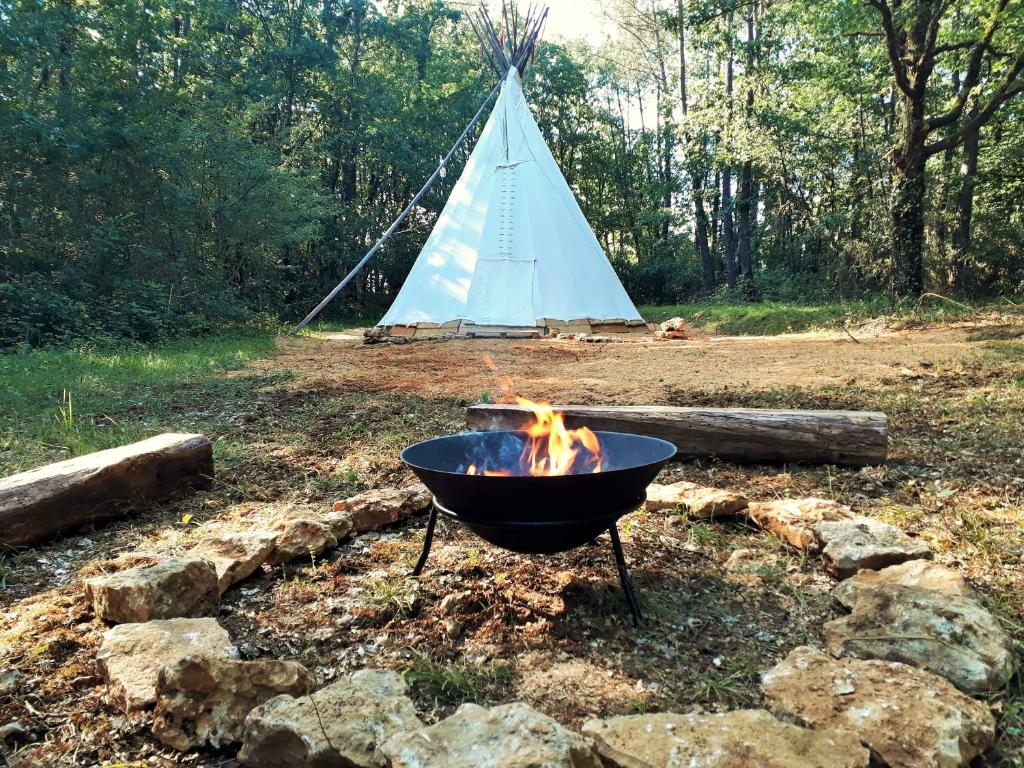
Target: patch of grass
x,y
472,558
729,685
389,594
453,683
320,327
1003,352
59,403
901,515
768,318
764,318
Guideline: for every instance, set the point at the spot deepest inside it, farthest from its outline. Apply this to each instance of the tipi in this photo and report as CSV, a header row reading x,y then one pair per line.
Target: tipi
x,y
511,253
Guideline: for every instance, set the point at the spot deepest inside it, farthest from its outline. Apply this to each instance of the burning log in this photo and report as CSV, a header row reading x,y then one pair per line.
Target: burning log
x,y
743,435
36,505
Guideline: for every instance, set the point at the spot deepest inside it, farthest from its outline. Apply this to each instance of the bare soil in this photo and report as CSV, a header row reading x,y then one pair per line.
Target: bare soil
x,y
631,370
326,418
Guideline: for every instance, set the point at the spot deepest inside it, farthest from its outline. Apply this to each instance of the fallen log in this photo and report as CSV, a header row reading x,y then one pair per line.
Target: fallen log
x,y
742,435
36,505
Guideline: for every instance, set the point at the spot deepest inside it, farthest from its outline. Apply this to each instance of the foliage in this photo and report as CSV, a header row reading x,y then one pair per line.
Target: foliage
x,y
174,165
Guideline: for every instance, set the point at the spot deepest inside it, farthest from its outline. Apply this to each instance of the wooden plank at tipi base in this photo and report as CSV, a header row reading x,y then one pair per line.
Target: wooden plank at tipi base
x,y
743,435
620,326
40,503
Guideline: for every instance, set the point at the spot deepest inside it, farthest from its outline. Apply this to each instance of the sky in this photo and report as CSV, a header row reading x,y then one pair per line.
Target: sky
x,y
576,18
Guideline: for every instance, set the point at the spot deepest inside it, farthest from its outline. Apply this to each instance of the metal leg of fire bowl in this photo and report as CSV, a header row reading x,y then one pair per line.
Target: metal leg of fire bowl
x,y
428,539
627,585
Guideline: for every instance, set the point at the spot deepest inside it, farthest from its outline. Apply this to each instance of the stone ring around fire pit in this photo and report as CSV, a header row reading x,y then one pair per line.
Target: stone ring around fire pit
x,y
536,514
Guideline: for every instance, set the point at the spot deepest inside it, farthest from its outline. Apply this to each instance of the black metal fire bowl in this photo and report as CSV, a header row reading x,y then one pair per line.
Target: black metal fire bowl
x,y
536,515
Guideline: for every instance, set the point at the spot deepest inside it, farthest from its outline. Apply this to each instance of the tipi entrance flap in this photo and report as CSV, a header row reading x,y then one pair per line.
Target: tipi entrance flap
x,y
502,292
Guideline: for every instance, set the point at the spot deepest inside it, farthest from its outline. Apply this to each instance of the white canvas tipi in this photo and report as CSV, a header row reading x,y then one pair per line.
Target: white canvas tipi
x,y
511,251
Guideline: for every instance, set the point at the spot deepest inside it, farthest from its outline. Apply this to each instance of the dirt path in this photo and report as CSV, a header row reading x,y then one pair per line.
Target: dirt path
x,y
635,371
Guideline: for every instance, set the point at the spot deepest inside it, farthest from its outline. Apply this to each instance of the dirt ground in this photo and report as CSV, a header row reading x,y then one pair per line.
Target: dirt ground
x,y
326,417
636,371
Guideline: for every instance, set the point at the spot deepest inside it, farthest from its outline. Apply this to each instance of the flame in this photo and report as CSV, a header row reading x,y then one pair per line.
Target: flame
x,y
506,389
551,448
472,470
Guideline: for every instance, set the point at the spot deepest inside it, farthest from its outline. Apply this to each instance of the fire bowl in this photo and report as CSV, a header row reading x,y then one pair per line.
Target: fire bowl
x,y
535,514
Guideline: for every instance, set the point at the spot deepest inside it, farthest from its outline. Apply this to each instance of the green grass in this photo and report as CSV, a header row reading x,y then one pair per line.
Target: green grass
x,y
453,683
59,403
318,327
768,317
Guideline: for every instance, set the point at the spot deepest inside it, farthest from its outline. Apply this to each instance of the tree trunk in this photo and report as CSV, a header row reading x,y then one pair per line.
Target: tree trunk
x,y
666,137
700,215
728,234
942,211
716,204
961,240
908,229
707,258
743,203
907,200
910,32
746,195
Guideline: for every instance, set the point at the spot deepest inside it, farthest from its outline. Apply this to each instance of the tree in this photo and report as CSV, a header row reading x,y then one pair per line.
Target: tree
x,y
921,36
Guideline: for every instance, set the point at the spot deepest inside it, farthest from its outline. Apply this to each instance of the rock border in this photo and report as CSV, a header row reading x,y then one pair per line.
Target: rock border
x,y
877,565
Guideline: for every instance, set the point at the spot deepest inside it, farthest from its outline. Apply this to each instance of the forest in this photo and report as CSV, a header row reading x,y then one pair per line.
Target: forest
x,y
175,166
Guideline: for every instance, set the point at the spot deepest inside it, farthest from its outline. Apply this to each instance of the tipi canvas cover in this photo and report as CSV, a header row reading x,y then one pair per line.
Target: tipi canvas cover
x,y
511,251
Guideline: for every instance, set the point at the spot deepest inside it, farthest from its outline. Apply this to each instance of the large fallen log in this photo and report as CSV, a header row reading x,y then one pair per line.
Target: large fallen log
x,y
36,505
743,435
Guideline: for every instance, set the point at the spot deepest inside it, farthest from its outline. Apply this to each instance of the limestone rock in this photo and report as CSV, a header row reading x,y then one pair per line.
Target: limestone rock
x,y
508,736
301,537
10,679
672,329
375,509
950,635
661,497
181,587
921,574
699,502
858,543
359,714
732,740
340,523
908,717
456,603
793,520
203,700
236,556
132,655
707,503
